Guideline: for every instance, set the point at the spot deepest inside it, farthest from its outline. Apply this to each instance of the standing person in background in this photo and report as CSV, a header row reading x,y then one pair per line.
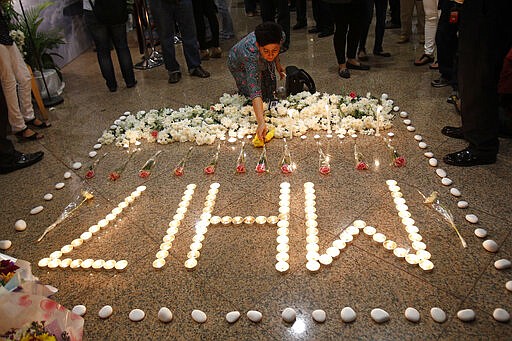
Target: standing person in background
x,y
380,22
252,63
166,13
202,9
301,8
268,13
106,20
431,19
406,13
14,72
394,9
227,31
323,18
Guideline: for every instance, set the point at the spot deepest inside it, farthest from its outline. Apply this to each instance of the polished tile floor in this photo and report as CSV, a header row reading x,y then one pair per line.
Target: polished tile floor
x,y
236,268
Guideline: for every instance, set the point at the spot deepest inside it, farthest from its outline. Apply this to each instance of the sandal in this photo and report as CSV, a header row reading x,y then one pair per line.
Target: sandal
x,y
33,137
424,60
41,125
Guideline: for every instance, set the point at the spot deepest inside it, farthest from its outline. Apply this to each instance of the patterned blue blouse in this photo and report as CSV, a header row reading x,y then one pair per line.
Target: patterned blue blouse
x,y
246,65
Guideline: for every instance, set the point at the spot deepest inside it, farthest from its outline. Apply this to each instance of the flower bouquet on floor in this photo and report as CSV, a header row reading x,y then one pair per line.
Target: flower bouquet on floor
x,y
359,157
210,169
396,159
85,195
116,174
262,167
145,171
91,169
240,162
286,165
179,170
324,161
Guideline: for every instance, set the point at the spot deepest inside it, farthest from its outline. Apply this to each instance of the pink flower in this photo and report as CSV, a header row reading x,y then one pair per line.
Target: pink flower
x,y
25,301
90,174
114,176
209,169
324,170
144,174
240,168
361,166
48,305
399,161
179,171
286,169
352,95
260,168
154,133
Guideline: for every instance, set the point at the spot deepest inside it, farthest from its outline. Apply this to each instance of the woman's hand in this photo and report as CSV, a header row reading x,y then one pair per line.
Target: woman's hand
x,y
262,131
282,74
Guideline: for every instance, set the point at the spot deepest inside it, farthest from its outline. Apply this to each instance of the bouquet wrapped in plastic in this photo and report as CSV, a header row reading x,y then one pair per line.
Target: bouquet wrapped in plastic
x,y
286,165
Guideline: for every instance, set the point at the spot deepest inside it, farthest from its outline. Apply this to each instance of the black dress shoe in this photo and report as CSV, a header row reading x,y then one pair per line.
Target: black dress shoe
x,y
469,157
381,54
174,77
299,25
390,25
358,67
344,73
199,72
131,85
325,34
453,132
21,161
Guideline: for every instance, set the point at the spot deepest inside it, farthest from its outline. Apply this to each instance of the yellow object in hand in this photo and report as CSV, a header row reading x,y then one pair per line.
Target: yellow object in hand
x,y
259,143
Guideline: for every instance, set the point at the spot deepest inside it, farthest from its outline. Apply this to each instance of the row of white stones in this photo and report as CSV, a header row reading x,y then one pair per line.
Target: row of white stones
x,y
289,315
54,260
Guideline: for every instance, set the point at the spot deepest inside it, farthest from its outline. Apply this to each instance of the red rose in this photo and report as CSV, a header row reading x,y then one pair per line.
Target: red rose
x,y
178,171
361,165
154,133
144,174
209,169
399,161
240,168
90,174
286,169
353,95
260,168
114,176
324,170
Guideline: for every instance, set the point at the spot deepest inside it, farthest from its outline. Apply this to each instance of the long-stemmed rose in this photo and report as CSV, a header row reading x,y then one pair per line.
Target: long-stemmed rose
x,y
359,157
91,169
240,162
116,174
286,164
324,160
179,170
145,171
396,159
261,167
210,169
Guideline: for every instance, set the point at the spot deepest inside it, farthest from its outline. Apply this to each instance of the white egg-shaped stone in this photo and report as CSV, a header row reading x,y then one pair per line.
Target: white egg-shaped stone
x,y
105,312
455,192
404,114
93,153
254,316
319,316
348,315
36,210
490,245
411,128
384,96
502,264
80,310
462,204
473,219
422,145
391,134
501,315
97,146
232,316
5,244
433,162
67,175
379,315
438,315
407,122
77,165
466,315
48,197
441,172
412,314
428,154
480,233
136,315
289,315
396,108
446,181
59,185
508,285
418,138
20,225
165,315
198,316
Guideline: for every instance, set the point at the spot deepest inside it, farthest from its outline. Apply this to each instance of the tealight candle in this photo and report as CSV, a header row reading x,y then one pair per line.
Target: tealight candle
x,y
66,249
43,262
174,223
396,194
412,229
249,220
129,200
408,221
191,186
110,217
116,211
162,254
261,220
198,238
313,265
55,255
311,223
193,254
345,237
166,246
426,265
181,210
226,220
360,224
415,237
121,265
286,190
400,252
186,203
283,248
309,202
215,220
283,231
311,216
399,201
312,239
401,207
190,263
310,196
389,245
195,246
423,254
284,203
188,192
404,214
168,238
312,255
394,188
282,266
339,244
312,247
272,219
141,188
352,230
205,217
135,194
411,258
369,230
213,191
178,216
215,185
158,263
86,235
282,239
122,205
310,209
110,264
102,223
98,264
54,263
333,251
75,263
419,246
65,263
282,257
87,263
77,242
284,185
325,259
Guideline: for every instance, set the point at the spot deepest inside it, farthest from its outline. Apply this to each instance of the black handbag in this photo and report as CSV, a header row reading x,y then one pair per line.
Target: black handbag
x,y
298,80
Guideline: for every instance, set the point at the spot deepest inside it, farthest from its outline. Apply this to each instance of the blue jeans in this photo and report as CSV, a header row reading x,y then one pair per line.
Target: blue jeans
x,y
103,36
166,15
227,30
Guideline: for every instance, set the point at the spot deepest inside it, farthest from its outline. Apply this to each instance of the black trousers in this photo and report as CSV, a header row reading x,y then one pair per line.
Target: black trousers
x,y
380,24
484,40
348,19
447,43
268,13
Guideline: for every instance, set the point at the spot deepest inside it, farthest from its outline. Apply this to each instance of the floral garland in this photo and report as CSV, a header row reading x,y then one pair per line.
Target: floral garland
x,y
233,116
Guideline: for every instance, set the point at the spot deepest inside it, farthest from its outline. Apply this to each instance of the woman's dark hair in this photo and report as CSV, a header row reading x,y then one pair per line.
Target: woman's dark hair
x,y
268,33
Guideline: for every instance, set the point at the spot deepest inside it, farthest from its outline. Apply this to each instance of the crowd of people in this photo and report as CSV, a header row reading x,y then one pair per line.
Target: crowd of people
x,y
468,41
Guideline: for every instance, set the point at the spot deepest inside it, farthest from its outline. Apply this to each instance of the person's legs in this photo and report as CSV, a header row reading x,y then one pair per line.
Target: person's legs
x,y
368,7
283,19
8,80
210,11
340,33
102,40
268,10
250,6
354,15
199,13
380,24
118,33
185,18
431,18
420,19
446,42
302,20
163,16
227,31
406,11
394,6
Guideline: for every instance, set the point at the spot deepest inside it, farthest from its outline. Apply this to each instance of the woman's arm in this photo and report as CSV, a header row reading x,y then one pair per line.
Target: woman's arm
x,y
257,105
280,68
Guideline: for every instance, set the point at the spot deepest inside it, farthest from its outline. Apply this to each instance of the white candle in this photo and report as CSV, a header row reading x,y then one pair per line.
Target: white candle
x,y
379,109
291,123
329,131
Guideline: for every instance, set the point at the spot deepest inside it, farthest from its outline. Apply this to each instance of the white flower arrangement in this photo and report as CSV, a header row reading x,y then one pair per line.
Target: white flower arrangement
x,y
233,116
19,38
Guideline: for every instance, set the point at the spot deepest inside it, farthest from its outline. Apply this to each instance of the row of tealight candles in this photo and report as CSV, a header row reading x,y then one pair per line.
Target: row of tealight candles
x,y
55,261
421,256
283,230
